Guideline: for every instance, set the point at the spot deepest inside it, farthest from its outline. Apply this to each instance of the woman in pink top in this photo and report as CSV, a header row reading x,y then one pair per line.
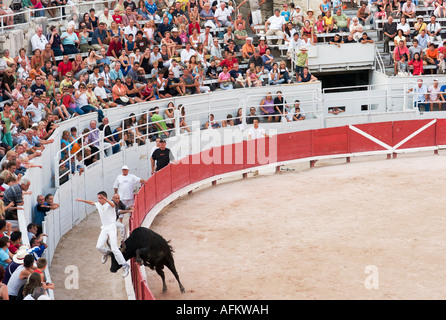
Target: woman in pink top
x,y
225,80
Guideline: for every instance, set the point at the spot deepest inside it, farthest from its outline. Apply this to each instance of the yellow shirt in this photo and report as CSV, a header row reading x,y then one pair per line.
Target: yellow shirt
x,y
184,4
328,21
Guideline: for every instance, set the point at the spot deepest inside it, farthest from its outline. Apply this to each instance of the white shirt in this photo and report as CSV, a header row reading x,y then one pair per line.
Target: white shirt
x,y
254,133
106,213
433,27
100,92
276,23
185,55
128,30
222,15
126,185
433,92
38,42
37,112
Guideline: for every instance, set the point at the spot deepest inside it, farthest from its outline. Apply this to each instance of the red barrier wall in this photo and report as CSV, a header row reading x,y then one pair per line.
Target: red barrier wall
x,y
330,141
382,131
290,146
403,129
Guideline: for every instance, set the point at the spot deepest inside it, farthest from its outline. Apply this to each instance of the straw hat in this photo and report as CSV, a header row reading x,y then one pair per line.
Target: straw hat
x,y
20,255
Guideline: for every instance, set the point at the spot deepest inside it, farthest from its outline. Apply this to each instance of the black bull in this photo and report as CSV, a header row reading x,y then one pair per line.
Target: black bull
x,y
150,249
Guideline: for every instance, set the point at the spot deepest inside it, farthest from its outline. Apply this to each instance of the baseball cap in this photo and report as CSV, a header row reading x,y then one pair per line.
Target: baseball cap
x,y
125,168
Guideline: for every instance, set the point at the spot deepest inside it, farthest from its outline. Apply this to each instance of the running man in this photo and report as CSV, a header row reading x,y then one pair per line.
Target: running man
x,y
106,209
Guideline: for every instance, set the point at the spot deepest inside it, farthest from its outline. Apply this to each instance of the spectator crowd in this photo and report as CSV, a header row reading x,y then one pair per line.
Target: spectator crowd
x,y
149,50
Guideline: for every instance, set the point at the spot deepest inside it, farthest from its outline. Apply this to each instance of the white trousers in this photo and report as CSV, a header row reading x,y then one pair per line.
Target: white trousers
x,y
109,232
121,228
257,17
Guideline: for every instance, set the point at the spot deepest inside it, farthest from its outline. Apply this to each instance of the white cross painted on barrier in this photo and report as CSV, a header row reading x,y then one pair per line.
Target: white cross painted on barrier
x,y
399,144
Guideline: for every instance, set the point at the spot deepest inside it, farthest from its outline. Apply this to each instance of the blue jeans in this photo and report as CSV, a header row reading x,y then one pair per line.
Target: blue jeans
x,y
75,110
87,108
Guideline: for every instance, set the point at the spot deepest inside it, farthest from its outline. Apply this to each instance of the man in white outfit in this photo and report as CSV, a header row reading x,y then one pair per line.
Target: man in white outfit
x,y
106,209
125,184
256,13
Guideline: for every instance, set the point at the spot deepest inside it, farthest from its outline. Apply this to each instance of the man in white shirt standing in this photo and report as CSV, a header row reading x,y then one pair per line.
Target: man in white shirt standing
x,y
275,26
106,209
125,184
256,13
38,40
256,132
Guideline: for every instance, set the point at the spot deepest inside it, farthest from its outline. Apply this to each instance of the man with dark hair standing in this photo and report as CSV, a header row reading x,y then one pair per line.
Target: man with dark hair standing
x,y
106,209
161,156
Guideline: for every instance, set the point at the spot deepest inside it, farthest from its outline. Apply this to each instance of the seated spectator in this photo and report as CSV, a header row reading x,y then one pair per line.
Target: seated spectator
x,y
70,40
389,31
435,96
420,95
356,29
431,56
404,26
174,86
225,80
248,49
211,123
274,26
341,21
397,52
15,242
268,59
399,36
267,108
229,61
252,77
423,39
306,76
408,9
295,113
402,66
222,16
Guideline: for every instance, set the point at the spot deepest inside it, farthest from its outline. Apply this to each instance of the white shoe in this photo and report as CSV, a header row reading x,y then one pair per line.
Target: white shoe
x,y
126,270
104,258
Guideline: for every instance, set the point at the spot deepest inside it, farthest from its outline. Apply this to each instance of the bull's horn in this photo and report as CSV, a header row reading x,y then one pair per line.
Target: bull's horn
x,y
123,247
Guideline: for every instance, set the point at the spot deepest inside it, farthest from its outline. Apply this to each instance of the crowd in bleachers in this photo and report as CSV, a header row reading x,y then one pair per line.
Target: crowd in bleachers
x,y
148,50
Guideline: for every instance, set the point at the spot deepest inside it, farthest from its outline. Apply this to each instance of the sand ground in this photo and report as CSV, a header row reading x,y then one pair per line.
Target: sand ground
x,y
369,229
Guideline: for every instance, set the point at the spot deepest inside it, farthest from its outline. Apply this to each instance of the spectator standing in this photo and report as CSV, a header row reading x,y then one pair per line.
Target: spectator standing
x,y
125,185
161,157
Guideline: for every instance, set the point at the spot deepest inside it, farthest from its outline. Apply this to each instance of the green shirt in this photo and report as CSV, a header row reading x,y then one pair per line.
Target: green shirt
x,y
302,59
157,117
242,33
341,21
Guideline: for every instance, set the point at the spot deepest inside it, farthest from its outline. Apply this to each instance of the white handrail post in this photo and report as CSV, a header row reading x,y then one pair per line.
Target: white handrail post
x,y
176,114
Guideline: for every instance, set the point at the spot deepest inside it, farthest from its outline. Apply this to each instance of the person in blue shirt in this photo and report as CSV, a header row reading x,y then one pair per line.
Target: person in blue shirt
x,y
152,9
285,13
5,259
39,213
37,246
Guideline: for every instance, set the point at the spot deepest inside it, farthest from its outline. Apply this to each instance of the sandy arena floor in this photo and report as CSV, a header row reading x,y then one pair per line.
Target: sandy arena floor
x,y
303,234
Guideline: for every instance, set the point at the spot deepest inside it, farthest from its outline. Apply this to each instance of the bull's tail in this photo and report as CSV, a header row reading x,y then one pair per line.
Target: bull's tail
x,y
170,247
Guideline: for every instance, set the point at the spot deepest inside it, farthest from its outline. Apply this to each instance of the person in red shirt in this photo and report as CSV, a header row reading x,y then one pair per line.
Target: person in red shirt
x,y
16,240
117,17
193,24
64,67
115,47
417,64
229,61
